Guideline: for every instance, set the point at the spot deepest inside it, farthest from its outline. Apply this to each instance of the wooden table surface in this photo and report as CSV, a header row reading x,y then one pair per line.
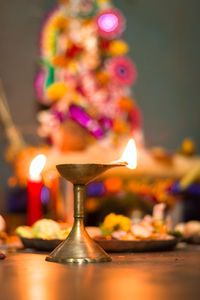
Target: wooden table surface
x,y
130,276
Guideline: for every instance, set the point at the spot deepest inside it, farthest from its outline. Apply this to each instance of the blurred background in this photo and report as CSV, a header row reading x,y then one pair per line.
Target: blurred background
x,y
164,40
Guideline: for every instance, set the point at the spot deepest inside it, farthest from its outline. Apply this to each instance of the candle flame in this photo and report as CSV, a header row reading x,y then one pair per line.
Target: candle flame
x,y
37,166
130,155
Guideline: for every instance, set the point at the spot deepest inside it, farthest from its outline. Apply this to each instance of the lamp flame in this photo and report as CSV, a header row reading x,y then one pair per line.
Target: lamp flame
x,y
37,166
130,155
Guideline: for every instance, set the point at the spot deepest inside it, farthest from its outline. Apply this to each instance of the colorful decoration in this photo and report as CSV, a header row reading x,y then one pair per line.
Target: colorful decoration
x,y
110,23
87,8
122,70
150,227
150,191
39,85
77,114
83,70
57,91
118,47
116,222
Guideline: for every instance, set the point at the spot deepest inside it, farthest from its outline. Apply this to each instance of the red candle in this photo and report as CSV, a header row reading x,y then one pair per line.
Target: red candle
x,y
34,187
34,201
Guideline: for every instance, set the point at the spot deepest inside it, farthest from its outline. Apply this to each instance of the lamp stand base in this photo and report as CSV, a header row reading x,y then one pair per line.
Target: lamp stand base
x,y
78,248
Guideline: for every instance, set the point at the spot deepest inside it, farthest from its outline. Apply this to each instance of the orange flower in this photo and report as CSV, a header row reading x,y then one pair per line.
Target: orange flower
x,y
102,77
118,47
60,61
126,104
63,1
113,184
61,22
120,127
56,91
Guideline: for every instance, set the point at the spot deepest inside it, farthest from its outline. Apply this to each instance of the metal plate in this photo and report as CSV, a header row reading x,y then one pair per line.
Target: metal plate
x,y
138,246
108,245
194,240
40,244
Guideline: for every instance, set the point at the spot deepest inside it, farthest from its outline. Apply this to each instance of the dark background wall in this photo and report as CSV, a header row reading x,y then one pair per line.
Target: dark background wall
x,y
164,40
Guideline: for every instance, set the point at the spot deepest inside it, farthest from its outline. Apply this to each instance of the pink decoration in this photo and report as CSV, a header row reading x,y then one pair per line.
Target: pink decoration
x,y
122,70
136,118
110,23
39,85
106,123
81,117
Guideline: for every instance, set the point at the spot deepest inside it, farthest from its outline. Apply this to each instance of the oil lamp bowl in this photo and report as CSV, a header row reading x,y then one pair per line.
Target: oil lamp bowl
x,y
84,173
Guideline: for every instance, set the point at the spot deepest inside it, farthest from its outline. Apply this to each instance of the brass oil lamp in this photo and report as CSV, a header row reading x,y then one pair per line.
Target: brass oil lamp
x,y
78,247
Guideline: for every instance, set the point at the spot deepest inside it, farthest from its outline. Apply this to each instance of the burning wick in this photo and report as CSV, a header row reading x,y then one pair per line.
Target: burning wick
x,y
130,155
36,167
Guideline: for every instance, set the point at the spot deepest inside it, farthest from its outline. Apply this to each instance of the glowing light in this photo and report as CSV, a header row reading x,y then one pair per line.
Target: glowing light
x,y
108,22
130,155
36,167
